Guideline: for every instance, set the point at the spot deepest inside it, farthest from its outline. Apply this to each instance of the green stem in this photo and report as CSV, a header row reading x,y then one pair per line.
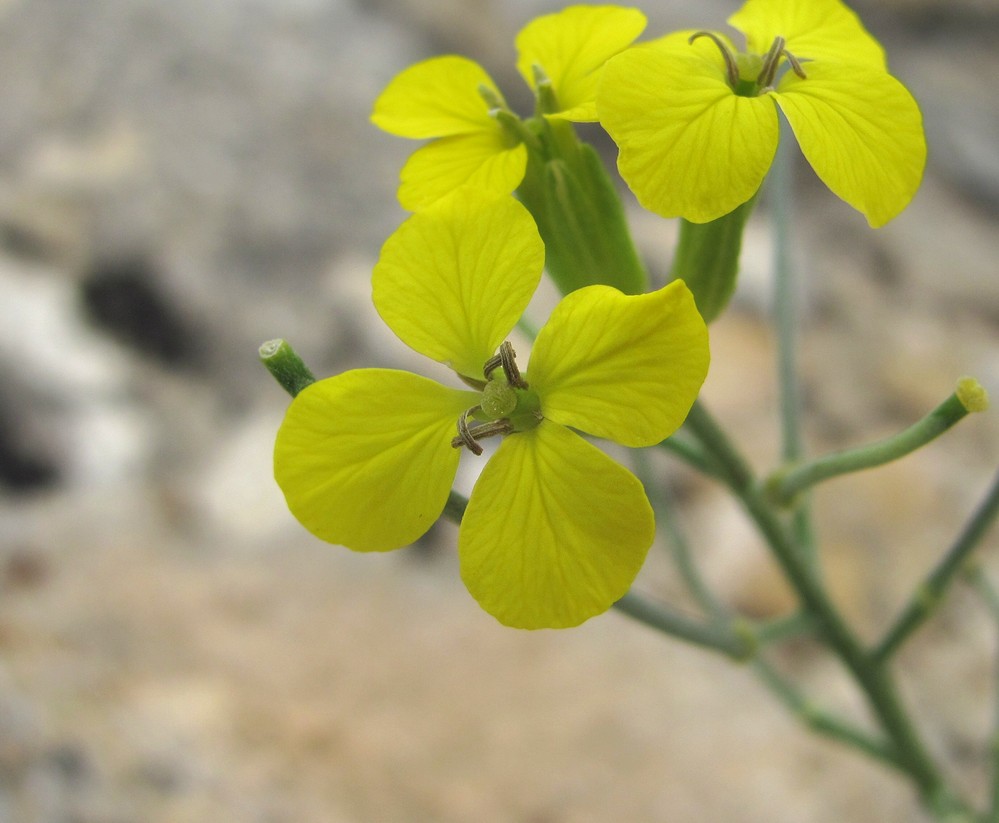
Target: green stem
x,y
990,597
786,321
805,710
785,303
454,508
985,590
785,484
808,712
286,366
736,645
528,327
783,628
874,679
930,593
691,454
678,545
821,721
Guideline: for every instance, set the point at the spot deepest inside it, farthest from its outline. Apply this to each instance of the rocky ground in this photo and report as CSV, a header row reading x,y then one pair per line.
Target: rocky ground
x,y
181,181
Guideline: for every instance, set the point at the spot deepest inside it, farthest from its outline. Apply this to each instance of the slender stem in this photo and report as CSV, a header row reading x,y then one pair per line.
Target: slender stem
x,y
783,628
454,508
990,597
813,716
874,679
820,720
780,195
786,322
988,592
528,327
929,594
679,547
784,485
691,454
817,719
709,635
691,575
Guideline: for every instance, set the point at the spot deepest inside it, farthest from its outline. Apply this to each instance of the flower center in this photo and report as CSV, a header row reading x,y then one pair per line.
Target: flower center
x,y
751,75
508,405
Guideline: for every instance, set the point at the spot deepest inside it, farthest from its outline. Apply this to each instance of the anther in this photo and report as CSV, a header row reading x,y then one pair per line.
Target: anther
x,y
731,68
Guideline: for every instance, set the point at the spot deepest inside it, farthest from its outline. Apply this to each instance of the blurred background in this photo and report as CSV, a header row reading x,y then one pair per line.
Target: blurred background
x,y
180,181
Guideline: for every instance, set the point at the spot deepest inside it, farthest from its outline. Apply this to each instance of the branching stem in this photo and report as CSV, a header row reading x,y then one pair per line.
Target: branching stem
x,y
871,676
929,595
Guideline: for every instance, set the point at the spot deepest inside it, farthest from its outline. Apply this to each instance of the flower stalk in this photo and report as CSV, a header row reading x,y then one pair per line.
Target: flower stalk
x,y
785,484
284,364
786,315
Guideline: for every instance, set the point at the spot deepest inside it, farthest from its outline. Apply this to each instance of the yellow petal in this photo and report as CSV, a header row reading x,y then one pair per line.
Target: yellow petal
x,y
365,459
571,47
555,531
435,98
454,279
861,131
813,29
624,367
688,146
484,159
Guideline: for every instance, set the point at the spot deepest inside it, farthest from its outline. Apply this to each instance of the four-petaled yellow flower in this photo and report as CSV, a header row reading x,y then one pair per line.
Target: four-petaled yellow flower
x,y
697,129
477,140
555,530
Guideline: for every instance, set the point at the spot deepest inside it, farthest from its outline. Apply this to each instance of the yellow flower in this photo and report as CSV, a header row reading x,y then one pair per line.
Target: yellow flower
x,y
476,140
696,125
555,530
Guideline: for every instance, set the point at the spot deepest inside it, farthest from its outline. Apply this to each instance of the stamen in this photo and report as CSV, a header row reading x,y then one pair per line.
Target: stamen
x,y
465,437
795,65
731,68
507,358
772,60
469,436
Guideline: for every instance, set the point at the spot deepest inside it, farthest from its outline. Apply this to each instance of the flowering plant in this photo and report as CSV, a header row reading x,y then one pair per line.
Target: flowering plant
x,y
555,531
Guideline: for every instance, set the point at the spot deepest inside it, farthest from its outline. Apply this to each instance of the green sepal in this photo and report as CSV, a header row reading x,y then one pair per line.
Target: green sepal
x,y
707,259
579,214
